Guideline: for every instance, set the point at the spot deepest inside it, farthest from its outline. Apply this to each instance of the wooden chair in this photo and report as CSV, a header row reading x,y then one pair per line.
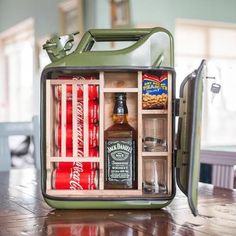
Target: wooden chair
x,y
18,128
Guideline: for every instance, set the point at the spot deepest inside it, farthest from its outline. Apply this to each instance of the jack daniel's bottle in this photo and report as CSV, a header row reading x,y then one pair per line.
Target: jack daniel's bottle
x,y
120,149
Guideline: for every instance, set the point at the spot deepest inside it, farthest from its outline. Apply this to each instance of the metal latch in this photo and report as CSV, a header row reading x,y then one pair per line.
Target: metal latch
x,y
176,106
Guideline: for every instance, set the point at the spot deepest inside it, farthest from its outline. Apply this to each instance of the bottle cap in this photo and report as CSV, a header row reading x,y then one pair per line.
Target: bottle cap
x,y
120,96
120,107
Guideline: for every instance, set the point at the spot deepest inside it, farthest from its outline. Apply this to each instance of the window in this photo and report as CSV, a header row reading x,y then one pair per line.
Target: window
x,y
216,44
16,73
71,17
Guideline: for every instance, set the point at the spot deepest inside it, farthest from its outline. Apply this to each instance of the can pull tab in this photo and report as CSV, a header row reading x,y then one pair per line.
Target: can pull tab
x,y
215,88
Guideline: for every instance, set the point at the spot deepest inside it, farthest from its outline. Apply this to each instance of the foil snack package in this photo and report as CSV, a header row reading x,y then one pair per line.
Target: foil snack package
x,y
155,91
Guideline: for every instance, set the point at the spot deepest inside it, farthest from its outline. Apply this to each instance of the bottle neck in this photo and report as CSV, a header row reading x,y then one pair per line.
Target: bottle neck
x,y
120,112
120,119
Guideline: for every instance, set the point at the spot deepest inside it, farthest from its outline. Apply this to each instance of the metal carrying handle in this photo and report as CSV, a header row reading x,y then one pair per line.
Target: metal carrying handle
x,y
107,35
160,50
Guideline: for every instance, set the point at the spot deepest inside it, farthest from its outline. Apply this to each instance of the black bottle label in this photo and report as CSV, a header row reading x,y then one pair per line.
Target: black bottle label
x,y
119,161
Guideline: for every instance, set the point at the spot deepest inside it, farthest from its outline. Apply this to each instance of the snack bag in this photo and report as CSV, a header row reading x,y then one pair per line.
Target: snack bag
x,y
155,91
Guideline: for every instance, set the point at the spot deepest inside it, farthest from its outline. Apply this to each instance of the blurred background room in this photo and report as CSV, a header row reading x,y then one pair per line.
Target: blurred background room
x,y
203,29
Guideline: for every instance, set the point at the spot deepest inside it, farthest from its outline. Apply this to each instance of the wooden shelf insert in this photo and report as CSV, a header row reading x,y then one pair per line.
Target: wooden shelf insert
x,y
154,112
95,193
75,159
120,90
74,81
154,154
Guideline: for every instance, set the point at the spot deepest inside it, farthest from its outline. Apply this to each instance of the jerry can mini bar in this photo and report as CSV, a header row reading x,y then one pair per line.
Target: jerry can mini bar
x,y
77,100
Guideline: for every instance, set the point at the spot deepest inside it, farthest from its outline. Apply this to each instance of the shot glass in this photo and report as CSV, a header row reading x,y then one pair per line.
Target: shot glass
x,y
154,135
154,176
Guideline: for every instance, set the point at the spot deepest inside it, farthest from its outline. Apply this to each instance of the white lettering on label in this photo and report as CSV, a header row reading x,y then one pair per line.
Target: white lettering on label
x,y
80,116
119,146
75,176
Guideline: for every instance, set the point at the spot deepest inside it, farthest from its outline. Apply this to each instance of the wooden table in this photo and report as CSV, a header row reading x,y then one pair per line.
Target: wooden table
x,y
24,212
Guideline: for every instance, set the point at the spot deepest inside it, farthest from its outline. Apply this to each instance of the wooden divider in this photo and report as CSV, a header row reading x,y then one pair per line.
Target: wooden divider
x,y
63,120
101,130
169,135
140,131
49,132
85,125
51,158
74,118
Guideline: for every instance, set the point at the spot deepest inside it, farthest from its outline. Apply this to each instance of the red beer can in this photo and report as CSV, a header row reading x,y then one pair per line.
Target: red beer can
x,y
69,152
92,136
81,166
74,179
69,92
69,136
93,92
93,109
79,112
93,152
93,112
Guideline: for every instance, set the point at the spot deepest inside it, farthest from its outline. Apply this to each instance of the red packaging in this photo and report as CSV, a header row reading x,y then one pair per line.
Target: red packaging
x,y
93,152
69,108
93,110
69,92
82,166
74,179
69,152
69,136
92,136
93,92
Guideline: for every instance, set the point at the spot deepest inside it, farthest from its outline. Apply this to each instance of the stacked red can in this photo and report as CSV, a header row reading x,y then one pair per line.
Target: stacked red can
x,y
77,175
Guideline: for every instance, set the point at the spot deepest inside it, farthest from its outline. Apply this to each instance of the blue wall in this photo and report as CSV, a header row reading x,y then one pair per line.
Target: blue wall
x,y
97,13
164,13
44,12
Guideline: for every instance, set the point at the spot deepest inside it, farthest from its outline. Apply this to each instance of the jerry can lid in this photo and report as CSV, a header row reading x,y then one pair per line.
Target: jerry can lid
x,y
189,135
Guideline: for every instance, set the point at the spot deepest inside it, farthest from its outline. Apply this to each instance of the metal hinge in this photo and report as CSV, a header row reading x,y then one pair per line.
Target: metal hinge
x,y
176,106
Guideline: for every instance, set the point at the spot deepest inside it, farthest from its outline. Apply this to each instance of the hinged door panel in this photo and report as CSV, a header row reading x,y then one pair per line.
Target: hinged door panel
x,y
189,134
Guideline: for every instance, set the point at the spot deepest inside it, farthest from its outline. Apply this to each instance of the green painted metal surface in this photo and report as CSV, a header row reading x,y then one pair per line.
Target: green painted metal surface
x,y
189,134
151,48
70,204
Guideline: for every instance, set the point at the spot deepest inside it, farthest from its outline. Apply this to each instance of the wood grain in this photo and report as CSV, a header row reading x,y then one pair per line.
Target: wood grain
x,y
24,212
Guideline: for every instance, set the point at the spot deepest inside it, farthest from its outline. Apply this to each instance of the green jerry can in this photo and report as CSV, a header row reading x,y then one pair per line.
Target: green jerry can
x,y
87,165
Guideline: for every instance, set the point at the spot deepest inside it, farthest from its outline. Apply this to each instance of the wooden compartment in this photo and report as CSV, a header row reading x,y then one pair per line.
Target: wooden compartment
x,y
154,133
155,176
132,104
116,80
109,83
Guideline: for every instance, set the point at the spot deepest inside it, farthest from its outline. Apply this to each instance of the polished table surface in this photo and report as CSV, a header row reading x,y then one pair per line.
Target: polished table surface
x,y
24,212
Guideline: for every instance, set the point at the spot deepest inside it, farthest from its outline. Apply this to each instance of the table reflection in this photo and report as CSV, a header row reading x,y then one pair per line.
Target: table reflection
x,y
113,222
